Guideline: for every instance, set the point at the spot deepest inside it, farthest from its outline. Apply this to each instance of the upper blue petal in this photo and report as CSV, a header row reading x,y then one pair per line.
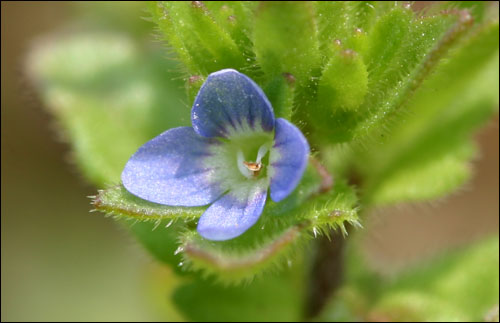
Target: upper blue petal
x,y
288,159
229,102
169,170
234,213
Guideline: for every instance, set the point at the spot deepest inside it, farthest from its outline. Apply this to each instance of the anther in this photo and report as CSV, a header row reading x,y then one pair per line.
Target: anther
x,y
253,167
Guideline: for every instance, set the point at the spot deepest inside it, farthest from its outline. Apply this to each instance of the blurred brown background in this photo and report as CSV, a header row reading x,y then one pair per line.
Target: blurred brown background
x,y
60,262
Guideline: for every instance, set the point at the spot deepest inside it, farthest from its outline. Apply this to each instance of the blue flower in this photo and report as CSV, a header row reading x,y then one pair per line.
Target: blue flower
x,y
234,152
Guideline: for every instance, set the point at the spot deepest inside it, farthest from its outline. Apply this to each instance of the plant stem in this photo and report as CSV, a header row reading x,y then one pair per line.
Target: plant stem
x,y
326,273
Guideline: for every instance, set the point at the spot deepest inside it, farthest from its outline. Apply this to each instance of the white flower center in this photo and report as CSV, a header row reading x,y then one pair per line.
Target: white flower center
x,y
252,169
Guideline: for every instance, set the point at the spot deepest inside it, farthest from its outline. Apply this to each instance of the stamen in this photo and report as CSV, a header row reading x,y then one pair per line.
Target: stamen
x,y
252,169
241,165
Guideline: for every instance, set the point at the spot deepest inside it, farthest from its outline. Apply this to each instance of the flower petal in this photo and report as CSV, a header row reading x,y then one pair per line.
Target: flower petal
x,y
235,212
287,159
169,170
229,102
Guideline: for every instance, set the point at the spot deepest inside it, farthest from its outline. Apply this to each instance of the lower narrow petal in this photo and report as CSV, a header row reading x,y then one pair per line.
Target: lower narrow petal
x,y
288,159
169,169
235,212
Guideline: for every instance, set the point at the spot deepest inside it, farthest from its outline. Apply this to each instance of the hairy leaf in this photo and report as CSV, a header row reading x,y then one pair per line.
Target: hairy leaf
x,y
344,22
235,17
344,82
272,240
427,180
468,95
285,38
117,201
160,238
341,91
461,285
266,245
280,92
333,24
108,96
272,298
193,32
427,42
387,36
395,52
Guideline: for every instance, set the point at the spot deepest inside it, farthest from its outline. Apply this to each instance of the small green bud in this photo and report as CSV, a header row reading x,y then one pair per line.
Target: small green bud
x,y
344,82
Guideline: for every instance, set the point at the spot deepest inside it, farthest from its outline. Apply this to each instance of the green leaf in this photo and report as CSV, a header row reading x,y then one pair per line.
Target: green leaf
x,y
427,180
280,92
161,240
173,20
341,90
118,202
358,42
468,96
201,43
461,285
157,227
108,96
282,228
285,38
387,36
363,13
236,18
272,298
427,42
266,245
333,24
344,82
216,41
125,16
344,22
391,55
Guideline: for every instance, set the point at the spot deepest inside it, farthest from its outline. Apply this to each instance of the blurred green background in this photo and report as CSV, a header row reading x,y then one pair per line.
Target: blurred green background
x,y
60,262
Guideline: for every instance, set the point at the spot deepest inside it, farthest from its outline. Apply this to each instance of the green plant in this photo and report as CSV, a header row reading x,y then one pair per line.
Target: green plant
x,y
387,97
